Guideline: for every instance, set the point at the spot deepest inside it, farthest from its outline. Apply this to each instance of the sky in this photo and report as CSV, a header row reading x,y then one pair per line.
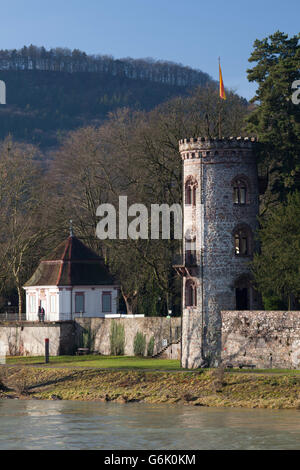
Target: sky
x,y
190,32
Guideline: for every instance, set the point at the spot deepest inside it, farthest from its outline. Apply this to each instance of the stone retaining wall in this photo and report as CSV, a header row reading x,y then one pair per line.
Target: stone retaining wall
x,y
168,329
264,339
28,338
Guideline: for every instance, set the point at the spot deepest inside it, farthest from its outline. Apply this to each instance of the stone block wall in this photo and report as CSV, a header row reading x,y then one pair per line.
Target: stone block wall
x,y
264,339
28,338
160,327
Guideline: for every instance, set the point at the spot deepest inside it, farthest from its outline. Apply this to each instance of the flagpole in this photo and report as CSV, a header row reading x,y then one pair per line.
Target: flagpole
x,y
220,130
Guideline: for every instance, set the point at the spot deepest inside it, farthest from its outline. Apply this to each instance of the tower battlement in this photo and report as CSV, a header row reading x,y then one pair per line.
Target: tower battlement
x,y
205,143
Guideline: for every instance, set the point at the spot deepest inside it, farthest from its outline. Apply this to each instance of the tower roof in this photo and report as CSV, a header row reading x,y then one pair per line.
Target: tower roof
x,y
71,263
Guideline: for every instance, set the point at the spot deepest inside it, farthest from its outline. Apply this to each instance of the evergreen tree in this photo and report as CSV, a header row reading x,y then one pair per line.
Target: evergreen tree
x,y
277,268
275,119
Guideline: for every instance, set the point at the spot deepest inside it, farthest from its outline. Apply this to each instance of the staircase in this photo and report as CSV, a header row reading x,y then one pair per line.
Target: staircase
x,y
159,353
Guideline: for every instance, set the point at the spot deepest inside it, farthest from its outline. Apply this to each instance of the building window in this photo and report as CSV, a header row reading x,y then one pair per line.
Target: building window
x,y
240,191
106,302
32,303
191,191
53,303
190,294
79,302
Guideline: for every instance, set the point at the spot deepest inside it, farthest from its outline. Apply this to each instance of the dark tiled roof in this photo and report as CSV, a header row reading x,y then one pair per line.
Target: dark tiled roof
x,y
72,249
71,263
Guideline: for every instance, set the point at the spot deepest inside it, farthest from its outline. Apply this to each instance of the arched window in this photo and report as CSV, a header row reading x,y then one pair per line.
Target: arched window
x,y
240,191
190,294
191,191
243,241
188,194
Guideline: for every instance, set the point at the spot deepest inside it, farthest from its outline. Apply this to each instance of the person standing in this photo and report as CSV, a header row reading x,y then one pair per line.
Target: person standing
x,y
40,313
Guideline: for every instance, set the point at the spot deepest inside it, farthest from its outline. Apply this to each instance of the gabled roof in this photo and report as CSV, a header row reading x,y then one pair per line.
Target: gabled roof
x,y
71,263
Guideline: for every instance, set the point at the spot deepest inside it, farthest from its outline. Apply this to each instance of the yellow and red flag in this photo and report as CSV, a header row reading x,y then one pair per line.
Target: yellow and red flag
x,y
222,89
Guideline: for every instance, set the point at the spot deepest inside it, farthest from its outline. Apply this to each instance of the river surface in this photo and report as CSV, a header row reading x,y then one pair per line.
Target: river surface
x,y
50,425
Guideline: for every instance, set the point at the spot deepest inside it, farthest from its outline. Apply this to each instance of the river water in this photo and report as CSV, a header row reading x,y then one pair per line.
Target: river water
x,y
51,425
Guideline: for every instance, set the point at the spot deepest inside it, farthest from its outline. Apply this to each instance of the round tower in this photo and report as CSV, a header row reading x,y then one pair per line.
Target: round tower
x,y
220,199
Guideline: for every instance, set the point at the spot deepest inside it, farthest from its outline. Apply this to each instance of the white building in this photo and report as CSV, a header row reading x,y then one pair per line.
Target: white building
x,y
72,282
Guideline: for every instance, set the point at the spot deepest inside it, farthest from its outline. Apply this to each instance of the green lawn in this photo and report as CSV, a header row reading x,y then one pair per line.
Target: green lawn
x,y
117,362
125,362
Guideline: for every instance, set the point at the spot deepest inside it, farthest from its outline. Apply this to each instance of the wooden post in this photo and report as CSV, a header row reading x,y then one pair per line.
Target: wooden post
x,y
46,350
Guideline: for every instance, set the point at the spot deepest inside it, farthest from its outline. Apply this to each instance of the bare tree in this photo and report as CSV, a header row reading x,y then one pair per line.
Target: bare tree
x,y
22,220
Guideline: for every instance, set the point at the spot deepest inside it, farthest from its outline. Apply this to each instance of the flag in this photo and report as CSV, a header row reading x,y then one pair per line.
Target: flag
x,y
222,89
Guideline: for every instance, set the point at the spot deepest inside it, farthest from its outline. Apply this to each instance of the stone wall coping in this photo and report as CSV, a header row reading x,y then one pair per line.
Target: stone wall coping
x,y
255,313
128,317
35,324
110,315
122,315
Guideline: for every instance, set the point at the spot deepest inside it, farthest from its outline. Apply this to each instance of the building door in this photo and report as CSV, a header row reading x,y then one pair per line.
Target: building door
x,y
242,298
43,305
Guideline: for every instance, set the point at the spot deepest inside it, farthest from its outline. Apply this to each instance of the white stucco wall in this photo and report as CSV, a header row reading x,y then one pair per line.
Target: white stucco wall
x,y
65,301
42,294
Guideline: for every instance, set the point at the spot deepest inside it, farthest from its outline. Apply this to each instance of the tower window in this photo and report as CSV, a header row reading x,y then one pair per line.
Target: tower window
x,y
242,298
191,191
240,191
190,250
242,241
243,293
191,257
188,195
190,294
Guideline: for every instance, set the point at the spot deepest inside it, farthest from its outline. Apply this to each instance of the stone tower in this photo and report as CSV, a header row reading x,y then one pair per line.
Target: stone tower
x,y
220,218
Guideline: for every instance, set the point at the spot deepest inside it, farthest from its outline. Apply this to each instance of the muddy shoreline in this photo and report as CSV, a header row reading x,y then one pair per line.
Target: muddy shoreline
x,y
201,388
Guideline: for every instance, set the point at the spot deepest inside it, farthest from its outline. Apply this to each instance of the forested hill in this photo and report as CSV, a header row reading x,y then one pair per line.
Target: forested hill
x,y
51,92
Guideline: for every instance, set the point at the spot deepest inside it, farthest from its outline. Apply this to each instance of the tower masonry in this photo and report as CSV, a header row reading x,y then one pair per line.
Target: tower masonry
x,y
220,199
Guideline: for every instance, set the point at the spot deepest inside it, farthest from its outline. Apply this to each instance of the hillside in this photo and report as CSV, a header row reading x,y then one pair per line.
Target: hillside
x,y
51,92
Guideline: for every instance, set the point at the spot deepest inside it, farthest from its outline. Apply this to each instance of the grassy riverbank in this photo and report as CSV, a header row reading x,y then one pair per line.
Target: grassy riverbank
x,y
67,381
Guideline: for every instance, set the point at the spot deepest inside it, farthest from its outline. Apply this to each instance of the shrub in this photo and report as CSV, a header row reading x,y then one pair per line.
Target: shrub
x,y
150,348
3,378
21,382
117,339
88,339
139,344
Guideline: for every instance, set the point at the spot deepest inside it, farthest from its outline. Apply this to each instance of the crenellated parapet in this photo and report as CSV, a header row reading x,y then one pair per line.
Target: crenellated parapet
x,y
199,147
